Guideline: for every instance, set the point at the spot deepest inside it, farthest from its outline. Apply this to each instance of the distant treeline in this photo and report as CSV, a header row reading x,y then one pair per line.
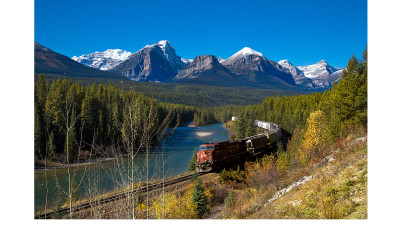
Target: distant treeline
x,y
71,115
345,104
192,94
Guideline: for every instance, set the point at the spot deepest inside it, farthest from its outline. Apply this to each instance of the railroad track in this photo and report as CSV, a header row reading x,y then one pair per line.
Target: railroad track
x,y
116,197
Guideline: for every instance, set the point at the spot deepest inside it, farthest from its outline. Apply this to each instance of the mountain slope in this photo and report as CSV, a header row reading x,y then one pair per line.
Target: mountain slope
x,y
206,70
321,68
319,75
103,60
201,64
50,62
177,63
147,64
256,68
297,74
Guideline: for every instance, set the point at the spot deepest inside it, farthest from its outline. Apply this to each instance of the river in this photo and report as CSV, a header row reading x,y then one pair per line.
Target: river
x,y
175,151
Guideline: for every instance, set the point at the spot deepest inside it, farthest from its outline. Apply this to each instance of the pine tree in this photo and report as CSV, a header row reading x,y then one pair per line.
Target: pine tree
x,y
241,125
39,135
230,198
250,127
51,147
200,200
192,163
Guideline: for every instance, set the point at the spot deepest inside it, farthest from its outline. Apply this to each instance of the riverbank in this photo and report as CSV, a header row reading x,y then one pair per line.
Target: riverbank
x,y
177,148
40,164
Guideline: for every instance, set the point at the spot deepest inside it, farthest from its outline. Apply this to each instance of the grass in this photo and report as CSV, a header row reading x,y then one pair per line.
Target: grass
x,y
338,191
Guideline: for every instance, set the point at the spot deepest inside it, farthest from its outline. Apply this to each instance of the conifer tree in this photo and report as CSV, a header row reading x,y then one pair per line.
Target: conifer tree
x,y
192,163
241,125
70,145
200,200
39,135
51,147
230,198
250,127
348,99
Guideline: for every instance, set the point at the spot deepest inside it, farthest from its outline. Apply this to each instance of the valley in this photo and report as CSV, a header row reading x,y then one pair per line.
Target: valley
x,y
130,107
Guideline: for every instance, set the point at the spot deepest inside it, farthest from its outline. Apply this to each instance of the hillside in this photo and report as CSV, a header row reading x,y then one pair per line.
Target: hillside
x,y
50,62
335,189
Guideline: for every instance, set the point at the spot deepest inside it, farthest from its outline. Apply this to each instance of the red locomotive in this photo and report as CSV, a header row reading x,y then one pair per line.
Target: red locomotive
x,y
212,156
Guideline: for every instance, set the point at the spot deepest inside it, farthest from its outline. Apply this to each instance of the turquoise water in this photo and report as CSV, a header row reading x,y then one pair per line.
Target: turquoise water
x,y
170,158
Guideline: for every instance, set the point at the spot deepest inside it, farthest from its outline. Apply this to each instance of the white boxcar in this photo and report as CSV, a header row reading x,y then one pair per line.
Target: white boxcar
x,y
265,125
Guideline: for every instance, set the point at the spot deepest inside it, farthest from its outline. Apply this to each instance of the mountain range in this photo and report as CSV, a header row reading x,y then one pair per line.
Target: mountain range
x,y
160,63
49,62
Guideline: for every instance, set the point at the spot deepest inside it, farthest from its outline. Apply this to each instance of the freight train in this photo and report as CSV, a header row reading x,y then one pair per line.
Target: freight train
x,y
212,156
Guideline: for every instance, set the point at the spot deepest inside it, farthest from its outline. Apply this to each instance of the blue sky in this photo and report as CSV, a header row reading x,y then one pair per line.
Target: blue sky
x,y
303,32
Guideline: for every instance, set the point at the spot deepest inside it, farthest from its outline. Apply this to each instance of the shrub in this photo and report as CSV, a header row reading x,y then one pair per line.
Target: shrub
x,y
229,200
173,207
262,173
282,164
293,147
231,175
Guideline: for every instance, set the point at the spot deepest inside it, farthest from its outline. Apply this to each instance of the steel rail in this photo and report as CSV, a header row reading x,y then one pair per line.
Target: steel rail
x,y
116,197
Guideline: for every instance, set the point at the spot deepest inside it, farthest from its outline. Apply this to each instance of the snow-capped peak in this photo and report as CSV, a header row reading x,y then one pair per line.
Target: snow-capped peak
x,y
162,44
285,63
103,60
318,70
117,54
247,51
169,53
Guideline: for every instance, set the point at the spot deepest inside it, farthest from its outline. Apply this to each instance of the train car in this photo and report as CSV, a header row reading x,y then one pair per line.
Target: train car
x,y
269,126
257,143
266,125
217,155
214,155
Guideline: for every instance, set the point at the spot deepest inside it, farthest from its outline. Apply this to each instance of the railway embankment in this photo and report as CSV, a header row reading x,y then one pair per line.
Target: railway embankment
x,y
334,188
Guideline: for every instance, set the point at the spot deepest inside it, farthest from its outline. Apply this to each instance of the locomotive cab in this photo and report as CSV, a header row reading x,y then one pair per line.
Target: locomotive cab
x,y
205,153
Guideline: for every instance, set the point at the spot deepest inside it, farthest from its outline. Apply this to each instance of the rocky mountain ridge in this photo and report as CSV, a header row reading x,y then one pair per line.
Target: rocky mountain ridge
x,y
319,75
160,63
148,64
252,64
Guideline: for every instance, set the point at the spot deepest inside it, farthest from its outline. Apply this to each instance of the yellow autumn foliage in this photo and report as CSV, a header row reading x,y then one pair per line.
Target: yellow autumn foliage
x,y
282,163
316,136
140,210
173,207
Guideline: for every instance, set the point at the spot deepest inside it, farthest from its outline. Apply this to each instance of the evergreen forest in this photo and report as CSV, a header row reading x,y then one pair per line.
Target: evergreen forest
x,y
89,120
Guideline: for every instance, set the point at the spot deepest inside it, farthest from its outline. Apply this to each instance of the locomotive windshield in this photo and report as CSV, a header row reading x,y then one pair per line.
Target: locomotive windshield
x,y
202,147
210,147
